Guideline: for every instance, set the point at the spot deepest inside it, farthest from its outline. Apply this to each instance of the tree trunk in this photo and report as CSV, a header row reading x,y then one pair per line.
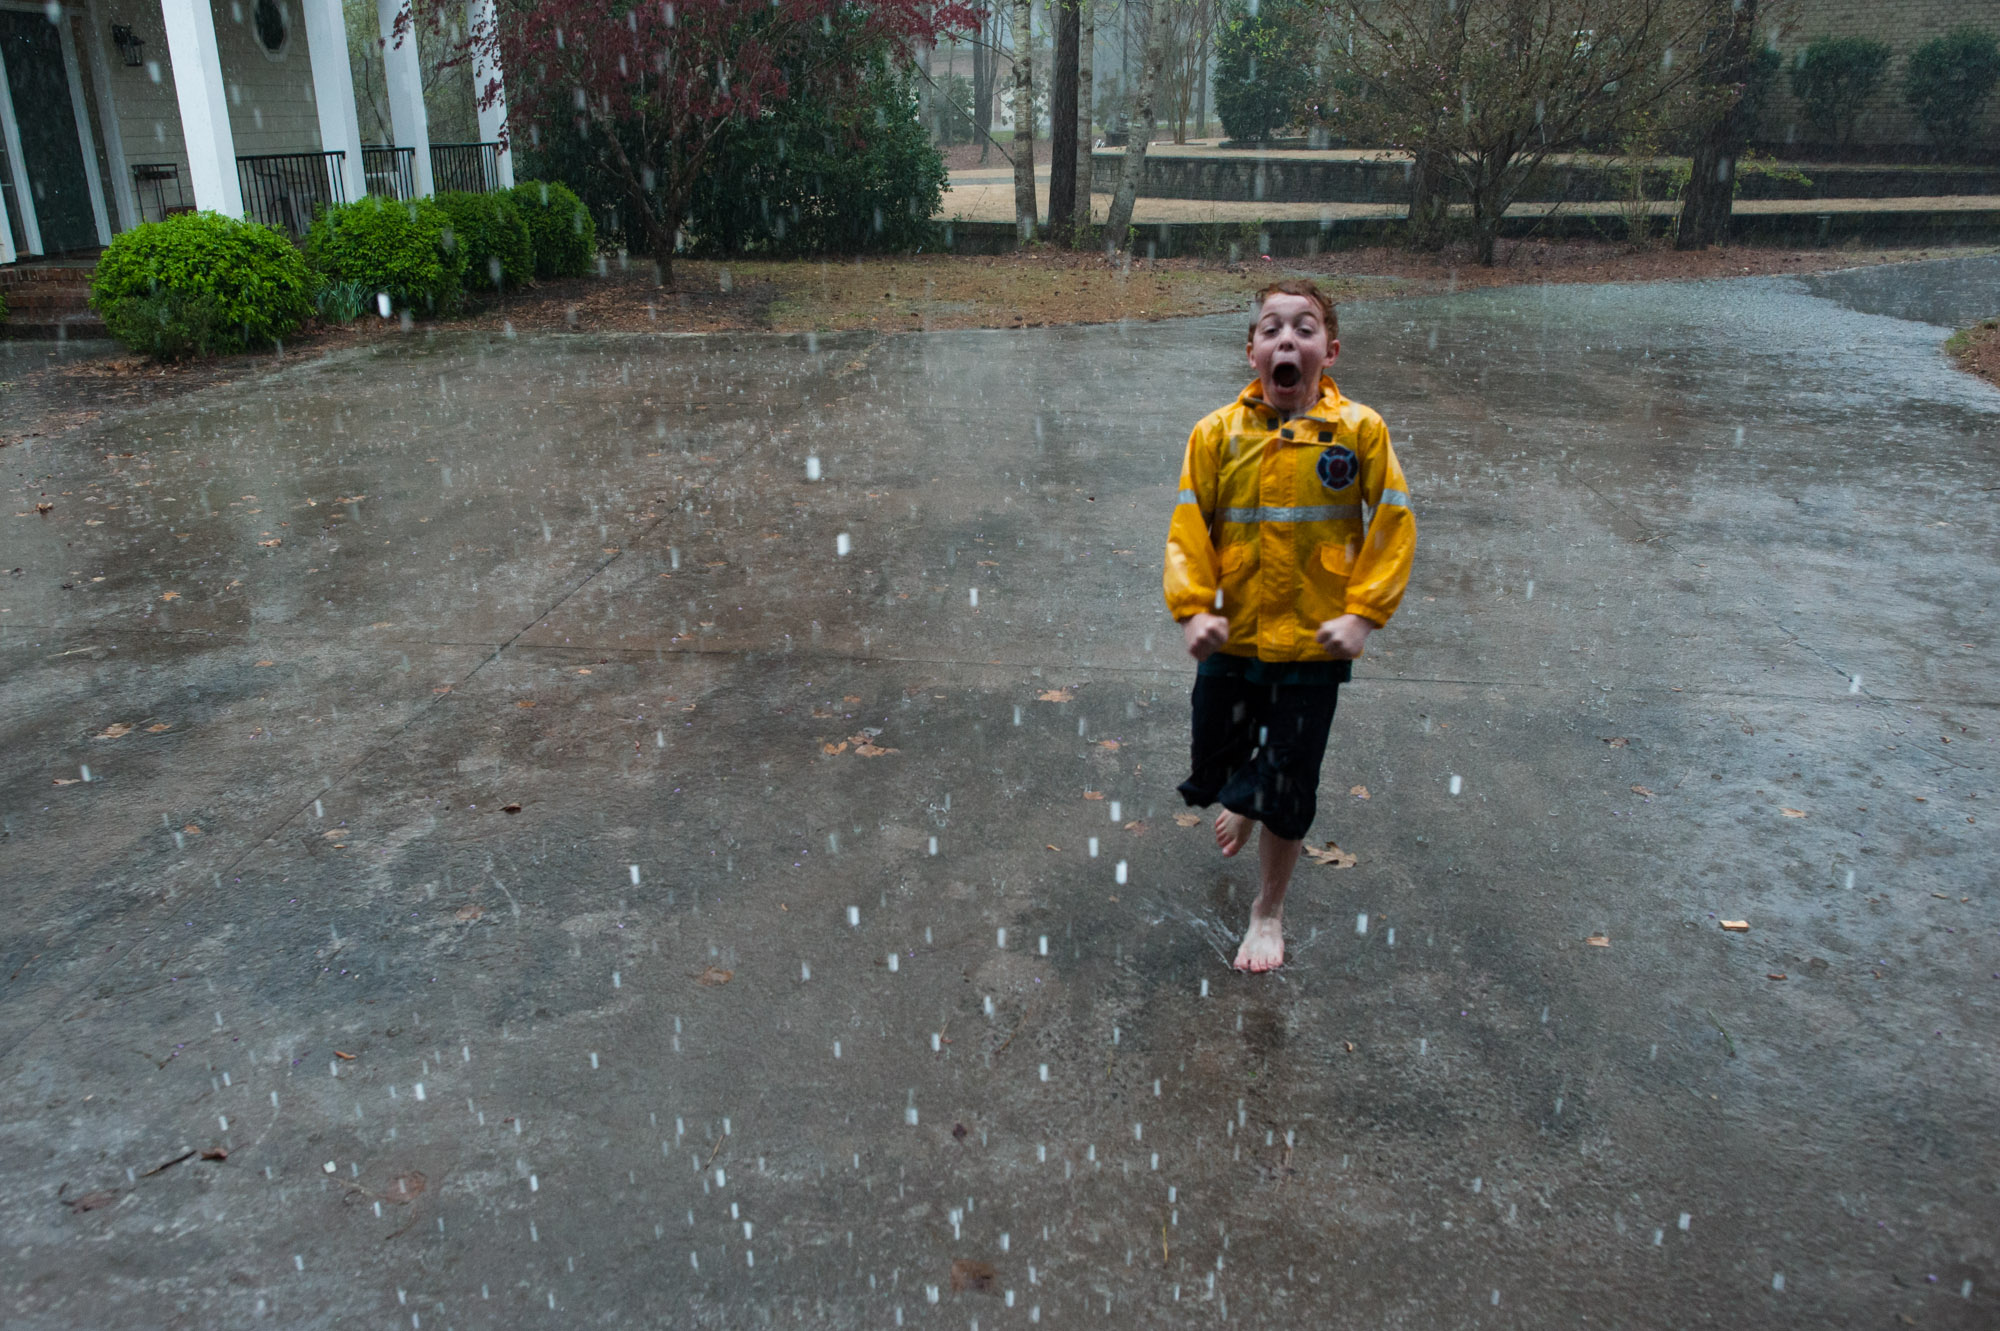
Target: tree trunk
x,y
1062,122
1711,187
1430,215
982,87
1023,12
1085,165
1201,76
1139,130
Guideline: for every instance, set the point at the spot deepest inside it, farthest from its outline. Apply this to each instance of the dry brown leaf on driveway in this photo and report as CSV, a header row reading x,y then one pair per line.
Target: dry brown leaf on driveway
x,y
1359,792
92,1201
1641,790
872,750
1333,857
1108,745
1093,794
967,1274
116,730
1615,741
1793,813
466,914
1188,819
715,975
1056,695
159,726
834,750
1598,940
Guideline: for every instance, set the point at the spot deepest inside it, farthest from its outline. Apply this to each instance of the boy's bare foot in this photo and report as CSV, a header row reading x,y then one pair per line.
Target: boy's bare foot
x,y
1232,831
1263,942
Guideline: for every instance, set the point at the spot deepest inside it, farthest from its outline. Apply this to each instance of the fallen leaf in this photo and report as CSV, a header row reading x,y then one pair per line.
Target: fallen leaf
x,y
1136,825
466,914
958,1131
1775,975
1048,846
967,1274
158,726
1737,926
1333,857
116,730
1598,940
192,829
92,1201
405,1187
1615,741
1641,790
834,750
1188,819
382,624
1349,1045
715,975
170,596
1359,792
216,1153
850,698
1793,813
343,1055
66,780
1108,745
266,663
275,540
1093,794
872,751
510,808
1055,695
43,507
582,671
525,702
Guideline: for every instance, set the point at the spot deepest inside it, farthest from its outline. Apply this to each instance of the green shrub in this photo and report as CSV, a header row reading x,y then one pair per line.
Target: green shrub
x,y
488,229
560,231
201,284
3,307
812,177
1832,77
1948,81
397,246
1263,69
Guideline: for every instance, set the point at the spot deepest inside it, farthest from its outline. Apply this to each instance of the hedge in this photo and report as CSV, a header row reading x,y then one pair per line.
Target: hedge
x,y
201,284
402,247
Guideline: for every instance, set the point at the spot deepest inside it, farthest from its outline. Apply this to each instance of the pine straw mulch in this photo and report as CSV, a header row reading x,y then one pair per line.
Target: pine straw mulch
x,y
44,393
1977,350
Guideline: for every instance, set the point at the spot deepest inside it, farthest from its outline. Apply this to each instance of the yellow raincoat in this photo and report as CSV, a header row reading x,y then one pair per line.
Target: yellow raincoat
x,y
1283,525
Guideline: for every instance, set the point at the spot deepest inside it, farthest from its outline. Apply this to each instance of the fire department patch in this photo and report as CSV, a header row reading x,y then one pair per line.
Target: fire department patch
x,y
1338,467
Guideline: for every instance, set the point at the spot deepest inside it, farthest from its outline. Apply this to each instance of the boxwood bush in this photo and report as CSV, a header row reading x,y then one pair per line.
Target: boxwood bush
x,y
1832,77
493,238
400,246
201,284
560,230
1947,83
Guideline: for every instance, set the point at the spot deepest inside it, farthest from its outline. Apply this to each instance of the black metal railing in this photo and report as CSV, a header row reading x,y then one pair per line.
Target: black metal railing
x,y
391,172
285,190
472,167
159,190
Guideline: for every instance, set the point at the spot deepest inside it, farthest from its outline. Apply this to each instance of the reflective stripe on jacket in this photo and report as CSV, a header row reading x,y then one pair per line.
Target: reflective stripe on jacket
x,y
1292,523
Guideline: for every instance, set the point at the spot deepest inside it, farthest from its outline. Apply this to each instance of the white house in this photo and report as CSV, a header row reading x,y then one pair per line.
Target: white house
x,y
116,112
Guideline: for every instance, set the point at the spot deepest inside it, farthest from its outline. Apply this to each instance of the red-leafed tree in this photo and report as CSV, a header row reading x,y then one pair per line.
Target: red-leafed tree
x,y
649,86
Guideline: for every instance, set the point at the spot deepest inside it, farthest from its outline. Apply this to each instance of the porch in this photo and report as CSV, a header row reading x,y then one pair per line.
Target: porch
x,y
117,112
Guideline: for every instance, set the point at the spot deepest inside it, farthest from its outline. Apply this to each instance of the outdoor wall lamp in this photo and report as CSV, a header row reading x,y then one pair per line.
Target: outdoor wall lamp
x,y
133,48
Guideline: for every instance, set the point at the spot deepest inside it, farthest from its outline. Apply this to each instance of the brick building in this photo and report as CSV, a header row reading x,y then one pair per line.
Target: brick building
x,y
1885,121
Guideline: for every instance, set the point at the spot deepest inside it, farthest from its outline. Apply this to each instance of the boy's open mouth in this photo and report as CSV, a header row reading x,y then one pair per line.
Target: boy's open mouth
x,y
1285,375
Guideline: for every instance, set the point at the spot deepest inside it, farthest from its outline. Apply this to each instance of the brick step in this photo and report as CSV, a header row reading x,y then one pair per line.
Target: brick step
x,y
46,298
16,330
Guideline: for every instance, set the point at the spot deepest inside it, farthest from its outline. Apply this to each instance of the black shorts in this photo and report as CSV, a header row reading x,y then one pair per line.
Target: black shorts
x,y
1258,749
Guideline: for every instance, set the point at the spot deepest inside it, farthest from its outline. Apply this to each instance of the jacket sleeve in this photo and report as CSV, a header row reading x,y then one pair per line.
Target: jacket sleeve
x,y
1192,572
1380,575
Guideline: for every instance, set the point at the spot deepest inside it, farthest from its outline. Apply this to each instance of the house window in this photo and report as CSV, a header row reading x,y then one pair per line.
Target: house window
x,y
273,27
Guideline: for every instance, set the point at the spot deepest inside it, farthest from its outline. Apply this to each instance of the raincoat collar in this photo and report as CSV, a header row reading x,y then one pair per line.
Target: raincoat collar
x,y
1326,410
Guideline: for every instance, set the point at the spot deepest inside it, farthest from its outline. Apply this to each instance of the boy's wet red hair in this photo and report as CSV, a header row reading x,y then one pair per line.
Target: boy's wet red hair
x,y
1298,286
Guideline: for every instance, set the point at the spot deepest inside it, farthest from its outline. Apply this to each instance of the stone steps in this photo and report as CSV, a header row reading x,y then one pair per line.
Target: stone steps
x,y
49,300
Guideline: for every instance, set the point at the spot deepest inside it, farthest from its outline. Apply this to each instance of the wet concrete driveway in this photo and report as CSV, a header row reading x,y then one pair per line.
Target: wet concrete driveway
x,y
466,783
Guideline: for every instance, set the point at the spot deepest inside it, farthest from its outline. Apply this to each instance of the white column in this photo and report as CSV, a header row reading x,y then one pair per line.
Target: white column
x,y
406,90
480,18
333,91
107,118
204,104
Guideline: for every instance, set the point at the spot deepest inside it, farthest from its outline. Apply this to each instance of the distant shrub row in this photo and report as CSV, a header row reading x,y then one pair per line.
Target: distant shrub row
x,y
1946,83
203,284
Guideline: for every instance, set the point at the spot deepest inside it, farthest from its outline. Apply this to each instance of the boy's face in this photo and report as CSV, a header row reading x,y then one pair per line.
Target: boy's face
x,y
1288,348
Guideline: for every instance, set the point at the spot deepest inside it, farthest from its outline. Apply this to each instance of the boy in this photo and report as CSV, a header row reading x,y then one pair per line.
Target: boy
x,y
1277,576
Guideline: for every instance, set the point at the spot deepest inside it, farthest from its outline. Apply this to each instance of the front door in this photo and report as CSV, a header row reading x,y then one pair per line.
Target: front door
x,y
45,112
